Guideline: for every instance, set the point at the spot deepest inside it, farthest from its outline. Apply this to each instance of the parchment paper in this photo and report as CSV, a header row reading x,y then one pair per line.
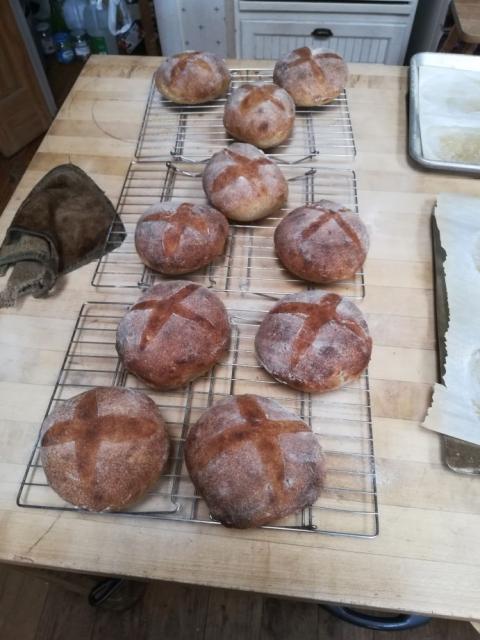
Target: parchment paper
x,y
455,409
449,108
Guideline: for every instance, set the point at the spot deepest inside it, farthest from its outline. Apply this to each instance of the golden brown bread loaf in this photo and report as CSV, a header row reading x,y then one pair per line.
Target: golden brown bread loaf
x,y
104,449
311,76
314,341
192,77
180,237
253,461
322,242
245,185
175,332
259,113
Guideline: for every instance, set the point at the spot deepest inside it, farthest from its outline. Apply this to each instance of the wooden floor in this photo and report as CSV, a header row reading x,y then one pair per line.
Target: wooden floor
x,y
33,609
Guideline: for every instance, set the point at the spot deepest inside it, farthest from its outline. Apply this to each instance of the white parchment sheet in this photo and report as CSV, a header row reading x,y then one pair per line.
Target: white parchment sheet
x,y
455,409
449,114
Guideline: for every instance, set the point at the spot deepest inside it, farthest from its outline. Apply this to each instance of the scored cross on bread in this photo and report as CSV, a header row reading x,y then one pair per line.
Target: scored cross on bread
x,y
180,237
177,331
87,431
243,167
242,183
163,310
104,448
253,461
315,316
327,215
259,113
261,431
314,341
322,242
313,77
258,94
177,221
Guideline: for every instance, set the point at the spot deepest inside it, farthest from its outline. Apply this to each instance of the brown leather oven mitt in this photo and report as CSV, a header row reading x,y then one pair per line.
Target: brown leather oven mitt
x,y
61,225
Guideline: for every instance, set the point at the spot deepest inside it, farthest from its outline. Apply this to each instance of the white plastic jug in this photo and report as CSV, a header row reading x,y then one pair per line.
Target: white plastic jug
x,y
73,14
96,24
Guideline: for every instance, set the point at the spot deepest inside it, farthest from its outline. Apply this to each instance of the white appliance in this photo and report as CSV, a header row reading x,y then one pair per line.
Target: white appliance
x,y
362,31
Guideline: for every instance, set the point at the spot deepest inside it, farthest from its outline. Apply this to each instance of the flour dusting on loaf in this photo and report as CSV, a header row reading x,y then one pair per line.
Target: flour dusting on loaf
x,y
322,242
314,341
103,449
311,76
192,77
259,113
253,461
244,184
178,237
175,332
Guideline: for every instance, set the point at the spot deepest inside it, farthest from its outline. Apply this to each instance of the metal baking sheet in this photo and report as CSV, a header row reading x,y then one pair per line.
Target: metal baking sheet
x,y
448,61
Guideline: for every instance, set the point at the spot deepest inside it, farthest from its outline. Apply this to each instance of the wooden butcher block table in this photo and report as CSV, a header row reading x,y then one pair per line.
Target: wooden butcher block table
x,y
426,557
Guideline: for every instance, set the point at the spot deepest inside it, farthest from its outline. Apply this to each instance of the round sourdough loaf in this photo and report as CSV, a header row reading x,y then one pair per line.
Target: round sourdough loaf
x,y
180,237
259,113
311,76
322,242
314,341
253,461
175,332
244,184
104,449
192,77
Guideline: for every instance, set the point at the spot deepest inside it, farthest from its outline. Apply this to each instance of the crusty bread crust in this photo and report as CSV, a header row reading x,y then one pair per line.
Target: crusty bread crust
x,y
314,341
104,449
245,185
175,332
259,113
322,242
311,76
192,77
180,237
253,461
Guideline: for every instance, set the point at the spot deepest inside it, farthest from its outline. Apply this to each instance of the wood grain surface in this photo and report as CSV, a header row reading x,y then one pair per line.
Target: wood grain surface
x,y
426,558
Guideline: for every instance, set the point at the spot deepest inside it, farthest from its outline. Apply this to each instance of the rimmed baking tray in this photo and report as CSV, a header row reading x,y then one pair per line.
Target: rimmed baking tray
x,y
447,61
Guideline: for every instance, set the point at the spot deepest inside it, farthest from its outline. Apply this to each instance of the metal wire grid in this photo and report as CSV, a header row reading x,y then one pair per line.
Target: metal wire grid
x,y
249,264
193,133
342,420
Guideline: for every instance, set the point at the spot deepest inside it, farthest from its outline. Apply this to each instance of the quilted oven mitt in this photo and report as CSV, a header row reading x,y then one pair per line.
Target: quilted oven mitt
x,y
61,225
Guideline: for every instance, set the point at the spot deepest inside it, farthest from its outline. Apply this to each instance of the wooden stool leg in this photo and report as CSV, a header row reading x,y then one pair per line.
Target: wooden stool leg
x,y
452,40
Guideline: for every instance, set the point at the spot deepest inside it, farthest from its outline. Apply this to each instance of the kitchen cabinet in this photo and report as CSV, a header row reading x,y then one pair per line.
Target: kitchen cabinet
x,y
361,32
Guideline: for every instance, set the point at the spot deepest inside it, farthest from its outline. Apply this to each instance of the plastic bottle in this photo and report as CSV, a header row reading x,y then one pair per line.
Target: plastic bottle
x,y
65,53
96,23
73,11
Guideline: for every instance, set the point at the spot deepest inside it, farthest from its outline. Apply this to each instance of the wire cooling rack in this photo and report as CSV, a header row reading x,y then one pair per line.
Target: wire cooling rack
x,y
341,419
249,264
193,133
